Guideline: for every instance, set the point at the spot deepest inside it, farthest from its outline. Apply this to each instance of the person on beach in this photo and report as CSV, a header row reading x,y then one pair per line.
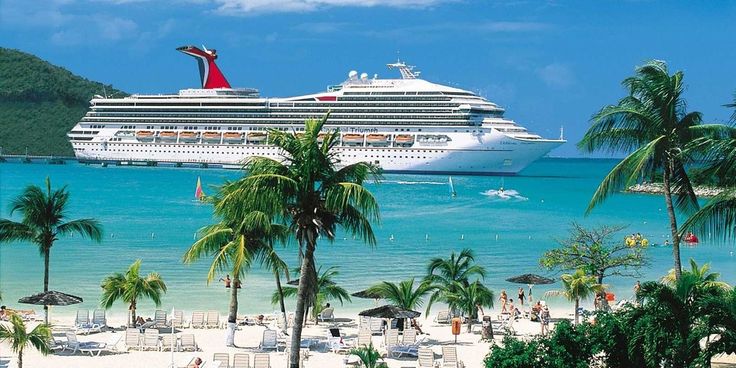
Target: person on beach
x,y
227,281
4,315
637,292
536,310
598,303
416,326
521,296
197,363
238,284
139,321
544,319
511,308
503,298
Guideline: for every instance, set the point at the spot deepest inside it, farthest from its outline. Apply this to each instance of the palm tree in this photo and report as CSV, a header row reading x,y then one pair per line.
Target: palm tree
x,y
130,287
307,190
44,220
326,290
469,297
234,244
577,286
277,266
368,356
404,294
653,122
19,338
446,274
702,276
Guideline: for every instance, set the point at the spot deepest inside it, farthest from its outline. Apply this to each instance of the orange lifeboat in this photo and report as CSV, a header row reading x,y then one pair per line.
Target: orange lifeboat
x,y
256,137
376,139
167,136
404,139
144,135
188,137
232,137
211,136
352,139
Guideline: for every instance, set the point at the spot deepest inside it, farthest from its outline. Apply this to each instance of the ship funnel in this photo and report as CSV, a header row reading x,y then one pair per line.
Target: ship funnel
x,y
209,73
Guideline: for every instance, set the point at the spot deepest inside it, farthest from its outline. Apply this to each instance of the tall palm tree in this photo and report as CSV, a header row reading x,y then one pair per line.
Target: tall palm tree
x,y
576,287
130,287
235,244
403,294
652,121
313,197
469,297
19,338
326,290
44,219
447,274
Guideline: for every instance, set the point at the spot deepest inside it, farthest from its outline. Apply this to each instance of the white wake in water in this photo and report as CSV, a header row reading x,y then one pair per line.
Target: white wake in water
x,y
504,195
401,182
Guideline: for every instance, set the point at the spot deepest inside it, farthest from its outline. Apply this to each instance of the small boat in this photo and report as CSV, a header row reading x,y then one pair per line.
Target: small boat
x,y
167,136
144,135
452,187
352,139
404,139
377,139
211,136
187,137
256,137
198,192
232,137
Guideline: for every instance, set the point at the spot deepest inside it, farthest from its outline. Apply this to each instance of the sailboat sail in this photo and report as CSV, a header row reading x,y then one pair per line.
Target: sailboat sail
x,y
199,193
452,188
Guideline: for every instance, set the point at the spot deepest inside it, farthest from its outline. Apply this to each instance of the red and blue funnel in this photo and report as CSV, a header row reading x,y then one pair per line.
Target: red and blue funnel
x,y
209,73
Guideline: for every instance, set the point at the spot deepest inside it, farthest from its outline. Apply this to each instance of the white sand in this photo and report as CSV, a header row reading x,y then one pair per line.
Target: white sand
x,y
470,349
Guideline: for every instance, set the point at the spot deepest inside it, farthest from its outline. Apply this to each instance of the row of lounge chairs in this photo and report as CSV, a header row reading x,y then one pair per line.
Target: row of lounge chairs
x,y
200,319
151,339
242,360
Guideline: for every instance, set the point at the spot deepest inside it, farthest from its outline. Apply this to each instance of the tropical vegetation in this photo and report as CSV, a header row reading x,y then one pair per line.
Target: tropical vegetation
x,y
326,289
17,336
312,196
44,219
576,287
449,275
369,356
467,299
130,287
404,294
653,126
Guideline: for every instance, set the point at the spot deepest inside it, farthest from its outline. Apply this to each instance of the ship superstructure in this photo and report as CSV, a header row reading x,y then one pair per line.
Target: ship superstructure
x,y
402,125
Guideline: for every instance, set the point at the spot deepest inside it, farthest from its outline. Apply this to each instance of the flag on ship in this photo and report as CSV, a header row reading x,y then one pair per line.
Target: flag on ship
x,y
199,193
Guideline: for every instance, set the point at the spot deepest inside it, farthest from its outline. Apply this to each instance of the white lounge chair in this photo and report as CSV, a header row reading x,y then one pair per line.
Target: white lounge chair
x,y
269,340
88,347
99,318
223,358
425,358
169,341
82,317
213,319
376,326
150,339
327,314
449,358
160,318
132,339
187,343
178,320
198,320
409,337
241,360
261,360
443,317
391,338
365,337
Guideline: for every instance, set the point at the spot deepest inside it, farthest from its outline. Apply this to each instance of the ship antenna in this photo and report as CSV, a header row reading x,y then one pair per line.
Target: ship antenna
x,y
104,91
562,132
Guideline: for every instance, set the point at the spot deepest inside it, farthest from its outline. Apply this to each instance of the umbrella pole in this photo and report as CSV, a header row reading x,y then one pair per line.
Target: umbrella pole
x,y
172,338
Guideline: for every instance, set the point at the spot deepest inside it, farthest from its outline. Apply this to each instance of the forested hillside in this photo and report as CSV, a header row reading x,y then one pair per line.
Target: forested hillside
x,y
40,103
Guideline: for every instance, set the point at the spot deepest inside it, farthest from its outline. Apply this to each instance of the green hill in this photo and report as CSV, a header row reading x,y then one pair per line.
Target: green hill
x,y
40,103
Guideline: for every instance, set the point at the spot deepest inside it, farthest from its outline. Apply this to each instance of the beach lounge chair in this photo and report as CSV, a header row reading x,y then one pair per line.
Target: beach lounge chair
x,y
365,337
409,337
443,317
99,318
241,360
376,326
261,360
213,319
269,340
327,314
337,343
187,343
89,347
132,339
169,340
223,358
197,319
391,338
178,320
82,317
425,358
449,358
150,339
160,318
55,345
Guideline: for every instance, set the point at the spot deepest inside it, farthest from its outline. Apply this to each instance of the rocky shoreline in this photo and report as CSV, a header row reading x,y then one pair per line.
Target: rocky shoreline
x,y
658,188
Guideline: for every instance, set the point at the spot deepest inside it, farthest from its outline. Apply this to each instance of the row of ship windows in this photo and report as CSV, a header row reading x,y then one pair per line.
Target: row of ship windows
x,y
265,154
290,105
276,104
333,116
263,148
241,114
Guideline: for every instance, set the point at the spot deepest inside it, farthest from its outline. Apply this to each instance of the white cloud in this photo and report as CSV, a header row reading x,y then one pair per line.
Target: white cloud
x,y
247,7
556,75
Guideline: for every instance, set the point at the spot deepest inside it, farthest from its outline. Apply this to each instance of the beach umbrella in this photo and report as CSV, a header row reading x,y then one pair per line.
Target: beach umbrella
x,y
51,298
365,294
295,282
530,279
389,311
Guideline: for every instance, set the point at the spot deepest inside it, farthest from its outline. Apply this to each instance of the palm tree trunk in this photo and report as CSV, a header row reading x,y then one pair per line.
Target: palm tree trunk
x,y
20,359
281,299
46,256
233,311
303,296
132,313
673,222
577,312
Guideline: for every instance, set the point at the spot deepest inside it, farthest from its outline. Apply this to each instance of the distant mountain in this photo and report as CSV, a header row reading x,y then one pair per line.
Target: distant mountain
x,y
40,103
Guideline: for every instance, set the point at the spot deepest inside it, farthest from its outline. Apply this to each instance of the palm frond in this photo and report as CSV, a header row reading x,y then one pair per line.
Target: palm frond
x,y
717,217
87,227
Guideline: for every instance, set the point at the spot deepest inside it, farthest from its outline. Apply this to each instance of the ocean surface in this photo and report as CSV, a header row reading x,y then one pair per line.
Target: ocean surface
x,y
150,214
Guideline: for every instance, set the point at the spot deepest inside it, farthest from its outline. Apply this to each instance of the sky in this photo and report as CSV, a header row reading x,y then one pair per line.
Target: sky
x,y
551,64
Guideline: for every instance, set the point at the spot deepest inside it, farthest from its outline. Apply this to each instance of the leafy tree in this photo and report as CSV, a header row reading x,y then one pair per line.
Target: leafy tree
x,y
368,356
515,353
577,286
308,191
130,287
404,294
467,298
653,122
327,290
447,274
44,220
594,252
19,338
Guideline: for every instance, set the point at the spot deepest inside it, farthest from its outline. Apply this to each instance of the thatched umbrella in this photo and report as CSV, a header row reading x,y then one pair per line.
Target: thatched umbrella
x,y
51,298
530,279
365,294
390,311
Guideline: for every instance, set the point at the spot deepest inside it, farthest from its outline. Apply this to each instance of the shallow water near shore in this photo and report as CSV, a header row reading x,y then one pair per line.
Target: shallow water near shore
x,y
151,214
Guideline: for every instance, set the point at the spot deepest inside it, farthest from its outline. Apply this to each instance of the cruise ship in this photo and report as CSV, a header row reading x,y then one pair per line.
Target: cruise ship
x,y
405,124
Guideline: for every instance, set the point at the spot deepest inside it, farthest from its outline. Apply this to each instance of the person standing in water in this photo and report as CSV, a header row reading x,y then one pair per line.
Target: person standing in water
x,y
521,296
227,281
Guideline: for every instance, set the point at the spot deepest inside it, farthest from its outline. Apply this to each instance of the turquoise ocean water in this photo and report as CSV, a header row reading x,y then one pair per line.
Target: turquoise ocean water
x,y
149,213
